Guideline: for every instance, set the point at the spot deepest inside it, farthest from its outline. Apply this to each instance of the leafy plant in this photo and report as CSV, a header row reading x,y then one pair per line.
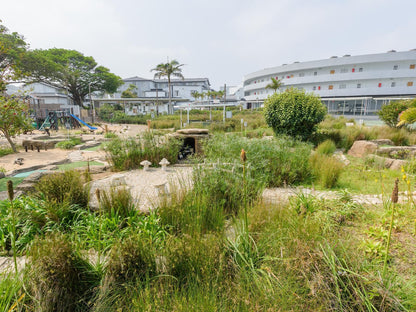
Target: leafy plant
x,y
326,148
389,113
294,113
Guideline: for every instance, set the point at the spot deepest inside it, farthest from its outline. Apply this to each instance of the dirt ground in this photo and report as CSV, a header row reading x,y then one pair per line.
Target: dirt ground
x,y
51,156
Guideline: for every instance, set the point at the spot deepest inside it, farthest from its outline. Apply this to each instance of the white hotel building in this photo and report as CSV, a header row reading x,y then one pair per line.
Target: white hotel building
x,y
357,85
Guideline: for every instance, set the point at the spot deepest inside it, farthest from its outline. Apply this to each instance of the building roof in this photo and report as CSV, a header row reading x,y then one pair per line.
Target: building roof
x,y
136,78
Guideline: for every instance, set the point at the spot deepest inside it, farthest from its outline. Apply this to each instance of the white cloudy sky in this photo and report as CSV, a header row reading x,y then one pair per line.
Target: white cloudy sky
x,y
219,39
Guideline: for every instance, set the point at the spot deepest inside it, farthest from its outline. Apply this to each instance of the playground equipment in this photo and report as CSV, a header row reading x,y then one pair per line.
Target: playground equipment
x,y
83,122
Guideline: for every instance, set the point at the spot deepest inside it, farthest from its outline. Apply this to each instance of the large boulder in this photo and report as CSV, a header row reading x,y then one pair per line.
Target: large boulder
x,y
362,148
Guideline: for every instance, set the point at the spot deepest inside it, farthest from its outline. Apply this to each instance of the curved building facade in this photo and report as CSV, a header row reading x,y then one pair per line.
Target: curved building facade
x,y
347,85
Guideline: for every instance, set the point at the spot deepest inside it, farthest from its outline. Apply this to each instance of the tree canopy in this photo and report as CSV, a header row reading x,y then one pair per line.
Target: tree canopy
x,y
13,117
130,92
12,49
275,84
169,69
71,71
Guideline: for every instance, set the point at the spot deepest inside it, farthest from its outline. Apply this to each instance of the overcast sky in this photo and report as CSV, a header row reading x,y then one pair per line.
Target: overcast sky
x,y
222,40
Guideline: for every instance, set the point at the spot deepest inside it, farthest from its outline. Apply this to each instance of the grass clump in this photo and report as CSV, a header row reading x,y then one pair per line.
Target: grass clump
x,y
326,169
59,278
63,187
110,135
5,151
326,148
117,202
68,144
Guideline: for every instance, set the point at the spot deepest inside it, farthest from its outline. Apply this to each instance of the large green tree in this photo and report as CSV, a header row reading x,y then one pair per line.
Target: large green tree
x,y
12,50
13,117
130,92
168,70
71,71
294,113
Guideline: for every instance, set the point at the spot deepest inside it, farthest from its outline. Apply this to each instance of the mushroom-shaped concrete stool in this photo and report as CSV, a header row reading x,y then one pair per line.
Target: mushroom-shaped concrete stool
x,y
145,164
164,163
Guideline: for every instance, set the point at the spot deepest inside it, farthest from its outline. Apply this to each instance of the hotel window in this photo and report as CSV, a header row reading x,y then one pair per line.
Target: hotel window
x,y
393,84
358,85
412,66
344,70
360,69
342,86
353,70
332,71
410,84
287,77
315,73
314,88
395,67
301,74
379,84
330,87
291,76
319,88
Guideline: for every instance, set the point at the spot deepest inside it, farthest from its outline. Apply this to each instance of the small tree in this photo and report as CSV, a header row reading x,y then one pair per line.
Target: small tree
x,y
389,113
275,84
294,113
130,92
13,118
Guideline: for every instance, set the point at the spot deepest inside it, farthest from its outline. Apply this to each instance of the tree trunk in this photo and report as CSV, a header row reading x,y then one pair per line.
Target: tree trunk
x,y
170,97
9,139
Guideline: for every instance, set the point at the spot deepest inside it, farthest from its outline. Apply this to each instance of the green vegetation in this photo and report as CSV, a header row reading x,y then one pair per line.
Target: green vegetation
x,y
69,144
294,113
389,113
5,151
3,182
128,154
78,164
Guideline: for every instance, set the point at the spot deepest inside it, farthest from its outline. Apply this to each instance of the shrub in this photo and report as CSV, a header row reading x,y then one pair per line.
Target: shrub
x,y
59,278
326,169
63,187
389,113
326,148
110,135
5,151
294,113
68,144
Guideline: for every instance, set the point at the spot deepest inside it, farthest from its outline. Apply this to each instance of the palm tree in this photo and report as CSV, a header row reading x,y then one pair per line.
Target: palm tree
x,y
275,84
172,68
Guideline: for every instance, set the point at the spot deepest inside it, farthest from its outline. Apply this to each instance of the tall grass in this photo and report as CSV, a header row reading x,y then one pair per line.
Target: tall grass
x,y
59,278
326,169
275,161
127,154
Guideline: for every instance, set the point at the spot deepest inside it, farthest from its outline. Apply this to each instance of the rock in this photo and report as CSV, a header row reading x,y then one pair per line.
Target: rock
x,y
193,131
383,142
397,164
2,174
362,148
341,157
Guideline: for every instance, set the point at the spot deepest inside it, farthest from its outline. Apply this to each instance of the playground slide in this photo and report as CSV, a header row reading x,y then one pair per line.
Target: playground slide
x,y
83,122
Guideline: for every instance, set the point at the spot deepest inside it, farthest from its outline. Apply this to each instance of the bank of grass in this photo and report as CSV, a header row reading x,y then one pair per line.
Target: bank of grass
x,y
195,252
3,182
78,164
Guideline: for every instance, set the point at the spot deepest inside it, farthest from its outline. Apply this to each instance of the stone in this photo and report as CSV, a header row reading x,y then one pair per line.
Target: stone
x,y
145,164
362,148
164,163
383,142
397,164
2,174
193,131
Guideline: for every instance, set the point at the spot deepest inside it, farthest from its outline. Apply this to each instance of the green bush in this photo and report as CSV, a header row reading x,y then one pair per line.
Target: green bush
x,y
5,151
68,144
326,148
294,113
389,113
64,187
110,135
